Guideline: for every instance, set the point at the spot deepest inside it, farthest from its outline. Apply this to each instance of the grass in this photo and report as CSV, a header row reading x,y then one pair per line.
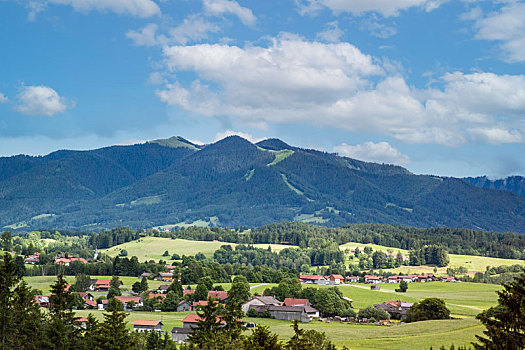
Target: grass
x,y
280,156
149,248
472,263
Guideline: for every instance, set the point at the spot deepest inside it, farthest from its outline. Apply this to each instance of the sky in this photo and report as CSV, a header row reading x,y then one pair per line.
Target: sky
x,y
437,86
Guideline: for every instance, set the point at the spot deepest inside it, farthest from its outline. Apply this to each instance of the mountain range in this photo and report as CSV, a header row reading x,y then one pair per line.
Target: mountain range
x,y
235,183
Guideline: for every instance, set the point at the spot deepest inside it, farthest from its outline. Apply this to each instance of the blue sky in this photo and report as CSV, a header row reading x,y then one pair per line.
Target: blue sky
x,y
437,86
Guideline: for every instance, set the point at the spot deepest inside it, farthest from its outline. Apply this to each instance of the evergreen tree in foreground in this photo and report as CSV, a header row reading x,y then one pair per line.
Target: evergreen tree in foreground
x,y
505,323
113,334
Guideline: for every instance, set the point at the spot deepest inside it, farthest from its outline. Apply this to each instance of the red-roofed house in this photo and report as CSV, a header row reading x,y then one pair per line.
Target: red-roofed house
x,y
191,320
147,326
127,300
42,300
189,291
313,279
165,276
352,279
335,279
218,294
296,302
373,279
157,296
101,285
83,321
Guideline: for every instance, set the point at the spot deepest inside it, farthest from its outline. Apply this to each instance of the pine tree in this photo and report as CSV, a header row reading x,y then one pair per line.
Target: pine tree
x,y
8,279
208,329
27,320
113,334
505,323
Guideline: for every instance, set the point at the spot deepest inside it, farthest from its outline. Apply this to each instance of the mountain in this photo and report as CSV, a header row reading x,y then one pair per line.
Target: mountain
x,y
236,183
514,184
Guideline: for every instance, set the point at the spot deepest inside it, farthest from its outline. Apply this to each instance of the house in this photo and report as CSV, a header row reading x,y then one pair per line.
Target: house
x,y
157,296
302,313
407,278
188,291
373,279
103,304
128,301
180,334
83,322
32,259
258,300
352,279
393,279
42,300
89,300
142,326
375,287
163,288
335,279
313,279
146,275
101,285
218,294
184,305
165,276
296,302
68,261
397,309
425,278
448,279
191,320
170,268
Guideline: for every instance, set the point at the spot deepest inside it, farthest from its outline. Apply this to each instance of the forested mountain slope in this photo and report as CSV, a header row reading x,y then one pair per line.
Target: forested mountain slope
x,y
515,184
236,183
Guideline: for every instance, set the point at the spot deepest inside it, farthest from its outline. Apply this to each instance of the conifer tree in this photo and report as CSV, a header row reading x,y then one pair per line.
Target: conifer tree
x,y
113,334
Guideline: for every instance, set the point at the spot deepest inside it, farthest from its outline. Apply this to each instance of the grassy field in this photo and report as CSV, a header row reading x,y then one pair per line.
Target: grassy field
x,y
149,248
472,263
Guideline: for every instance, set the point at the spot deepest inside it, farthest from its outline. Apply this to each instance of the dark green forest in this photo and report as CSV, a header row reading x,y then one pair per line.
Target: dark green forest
x,y
234,183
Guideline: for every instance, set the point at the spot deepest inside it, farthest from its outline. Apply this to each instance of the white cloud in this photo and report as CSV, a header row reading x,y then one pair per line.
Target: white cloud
x,y
34,7
378,29
135,8
497,135
336,85
387,8
221,135
3,98
40,100
192,29
381,152
332,33
220,7
507,27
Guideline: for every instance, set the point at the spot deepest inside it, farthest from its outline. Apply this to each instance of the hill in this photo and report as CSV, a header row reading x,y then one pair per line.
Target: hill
x,y
515,184
236,183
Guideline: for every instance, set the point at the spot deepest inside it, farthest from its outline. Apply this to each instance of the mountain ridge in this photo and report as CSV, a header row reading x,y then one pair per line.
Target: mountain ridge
x,y
234,182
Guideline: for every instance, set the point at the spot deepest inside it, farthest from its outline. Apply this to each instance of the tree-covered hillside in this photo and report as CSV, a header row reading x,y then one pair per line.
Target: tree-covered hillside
x,y
236,183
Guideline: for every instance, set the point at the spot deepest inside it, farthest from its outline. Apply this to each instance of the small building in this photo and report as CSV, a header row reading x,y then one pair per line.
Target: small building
x,y
128,301
258,300
165,276
352,279
101,285
373,279
188,291
375,287
397,309
82,322
180,334
146,275
103,304
296,302
288,313
32,259
335,279
184,305
448,279
191,320
313,279
163,288
218,294
157,296
142,326
42,300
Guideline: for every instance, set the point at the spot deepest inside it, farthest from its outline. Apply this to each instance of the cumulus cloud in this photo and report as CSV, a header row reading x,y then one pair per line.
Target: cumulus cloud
x,y
332,33
336,85
192,29
381,152
40,100
134,8
506,27
221,7
497,135
222,135
3,98
34,7
387,8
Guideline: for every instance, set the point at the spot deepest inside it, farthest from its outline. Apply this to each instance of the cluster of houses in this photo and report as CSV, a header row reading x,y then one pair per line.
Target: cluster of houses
x,y
409,278
32,259
397,309
318,279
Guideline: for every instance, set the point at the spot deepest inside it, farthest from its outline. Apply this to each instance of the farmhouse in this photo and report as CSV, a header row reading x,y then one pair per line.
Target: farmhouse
x,y
352,279
83,322
313,279
396,309
157,296
142,326
101,285
165,276
32,259
164,288
180,334
302,313
191,320
146,275
335,279
373,279
68,261
128,301
257,300
184,305
448,279
189,291
42,300
296,302
218,294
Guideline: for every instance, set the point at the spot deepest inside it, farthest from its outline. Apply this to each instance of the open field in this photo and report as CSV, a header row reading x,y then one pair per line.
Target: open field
x,y
472,263
148,248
